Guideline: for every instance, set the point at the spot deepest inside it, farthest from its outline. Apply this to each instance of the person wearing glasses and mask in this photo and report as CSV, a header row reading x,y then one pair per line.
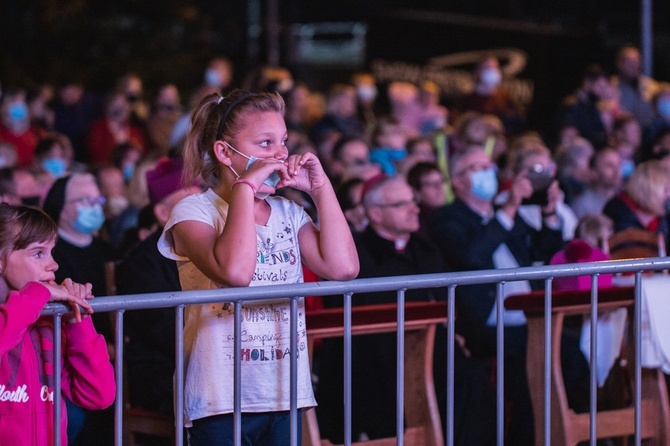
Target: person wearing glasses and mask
x,y
74,202
474,234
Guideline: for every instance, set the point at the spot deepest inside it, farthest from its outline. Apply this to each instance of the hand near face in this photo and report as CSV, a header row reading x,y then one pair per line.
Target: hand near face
x,y
554,195
76,294
304,173
521,188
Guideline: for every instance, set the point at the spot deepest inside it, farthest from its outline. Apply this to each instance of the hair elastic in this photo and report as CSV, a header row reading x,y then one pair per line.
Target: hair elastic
x,y
230,108
219,100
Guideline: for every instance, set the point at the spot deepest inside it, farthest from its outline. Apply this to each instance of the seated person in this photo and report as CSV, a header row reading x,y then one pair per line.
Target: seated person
x,y
473,233
150,355
429,186
642,203
389,246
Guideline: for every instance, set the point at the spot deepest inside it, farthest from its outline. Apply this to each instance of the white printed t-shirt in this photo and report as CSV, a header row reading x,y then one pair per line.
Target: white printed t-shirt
x,y
208,331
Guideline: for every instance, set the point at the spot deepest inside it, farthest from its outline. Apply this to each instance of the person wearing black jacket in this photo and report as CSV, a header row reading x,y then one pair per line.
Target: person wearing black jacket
x,y
391,246
150,352
472,234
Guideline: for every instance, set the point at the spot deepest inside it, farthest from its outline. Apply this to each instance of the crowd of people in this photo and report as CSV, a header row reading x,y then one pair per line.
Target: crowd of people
x,y
267,181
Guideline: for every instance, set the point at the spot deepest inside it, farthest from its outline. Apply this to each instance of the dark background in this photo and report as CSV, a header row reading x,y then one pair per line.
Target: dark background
x,y
171,40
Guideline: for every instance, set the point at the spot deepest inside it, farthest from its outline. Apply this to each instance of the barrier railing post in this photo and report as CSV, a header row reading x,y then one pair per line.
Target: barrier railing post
x,y
57,377
237,375
593,371
638,357
179,374
547,360
451,344
118,369
294,372
500,364
400,370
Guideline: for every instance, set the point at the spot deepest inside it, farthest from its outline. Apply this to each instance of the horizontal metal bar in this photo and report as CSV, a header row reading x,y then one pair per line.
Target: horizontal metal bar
x,y
173,299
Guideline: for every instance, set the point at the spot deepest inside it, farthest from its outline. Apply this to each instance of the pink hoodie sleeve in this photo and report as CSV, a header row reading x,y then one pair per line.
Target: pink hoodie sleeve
x,y
21,310
88,375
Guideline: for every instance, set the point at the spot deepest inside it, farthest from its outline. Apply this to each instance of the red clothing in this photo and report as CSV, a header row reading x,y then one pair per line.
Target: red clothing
x,y
578,251
101,141
26,369
24,143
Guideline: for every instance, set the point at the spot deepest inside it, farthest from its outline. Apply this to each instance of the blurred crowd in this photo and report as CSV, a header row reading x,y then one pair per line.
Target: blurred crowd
x,y
425,188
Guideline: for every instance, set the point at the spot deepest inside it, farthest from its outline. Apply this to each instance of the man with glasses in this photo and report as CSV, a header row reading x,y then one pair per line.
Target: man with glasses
x,y
18,186
390,246
473,234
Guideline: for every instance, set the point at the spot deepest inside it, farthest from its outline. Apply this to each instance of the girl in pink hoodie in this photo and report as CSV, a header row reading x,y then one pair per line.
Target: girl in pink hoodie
x,y
27,283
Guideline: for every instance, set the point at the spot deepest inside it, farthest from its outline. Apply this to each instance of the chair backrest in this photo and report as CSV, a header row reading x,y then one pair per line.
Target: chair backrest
x,y
422,419
635,243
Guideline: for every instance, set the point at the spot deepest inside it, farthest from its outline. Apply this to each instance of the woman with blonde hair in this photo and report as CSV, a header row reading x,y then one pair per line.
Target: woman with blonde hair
x,y
644,202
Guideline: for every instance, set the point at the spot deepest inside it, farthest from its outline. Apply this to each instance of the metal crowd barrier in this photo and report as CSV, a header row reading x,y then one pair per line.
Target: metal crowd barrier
x,y
348,290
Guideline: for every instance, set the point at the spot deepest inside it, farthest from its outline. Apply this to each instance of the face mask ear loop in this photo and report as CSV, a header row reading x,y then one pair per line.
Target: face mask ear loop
x,y
237,176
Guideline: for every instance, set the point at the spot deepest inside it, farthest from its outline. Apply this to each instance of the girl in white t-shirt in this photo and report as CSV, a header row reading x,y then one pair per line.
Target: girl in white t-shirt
x,y
234,235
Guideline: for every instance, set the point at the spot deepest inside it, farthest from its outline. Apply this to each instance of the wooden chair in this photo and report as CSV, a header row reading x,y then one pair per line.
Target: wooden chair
x,y
145,422
567,427
633,243
422,417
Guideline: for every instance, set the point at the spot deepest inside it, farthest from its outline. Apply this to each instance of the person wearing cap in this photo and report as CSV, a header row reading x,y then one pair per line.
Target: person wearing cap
x,y
150,356
74,202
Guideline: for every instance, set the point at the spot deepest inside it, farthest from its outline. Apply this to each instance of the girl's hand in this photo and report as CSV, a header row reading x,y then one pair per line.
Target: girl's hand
x,y
304,173
76,294
260,170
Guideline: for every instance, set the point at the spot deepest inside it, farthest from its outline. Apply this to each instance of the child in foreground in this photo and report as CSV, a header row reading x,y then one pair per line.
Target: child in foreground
x,y
27,283
236,235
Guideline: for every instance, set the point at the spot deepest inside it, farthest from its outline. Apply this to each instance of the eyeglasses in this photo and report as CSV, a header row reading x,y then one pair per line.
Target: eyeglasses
x,y
475,168
88,201
398,204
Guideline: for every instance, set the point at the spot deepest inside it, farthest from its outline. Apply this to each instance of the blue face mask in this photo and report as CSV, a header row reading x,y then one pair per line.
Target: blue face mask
x,y
271,181
484,183
89,219
491,77
213,78
627,168
55,166
128,171
385,157
18,111
663,108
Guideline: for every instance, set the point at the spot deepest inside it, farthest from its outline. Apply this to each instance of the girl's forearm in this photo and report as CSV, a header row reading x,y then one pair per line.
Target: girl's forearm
x,y
238,237
336,243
